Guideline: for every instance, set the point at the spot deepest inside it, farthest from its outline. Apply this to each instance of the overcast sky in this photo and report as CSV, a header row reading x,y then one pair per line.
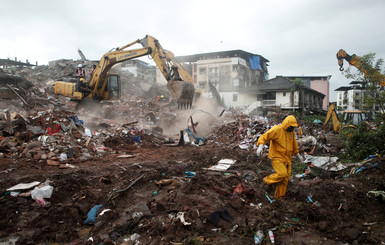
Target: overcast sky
x,y
298,37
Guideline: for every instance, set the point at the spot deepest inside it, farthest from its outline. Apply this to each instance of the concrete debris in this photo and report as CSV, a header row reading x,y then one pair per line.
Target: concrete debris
x,y
326,163
92,153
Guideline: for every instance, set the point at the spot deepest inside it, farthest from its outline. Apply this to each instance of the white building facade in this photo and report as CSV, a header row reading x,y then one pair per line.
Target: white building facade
x,y
230,72
349,98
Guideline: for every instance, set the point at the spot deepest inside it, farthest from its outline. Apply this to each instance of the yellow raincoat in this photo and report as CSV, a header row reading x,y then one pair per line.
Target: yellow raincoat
x,y
283,146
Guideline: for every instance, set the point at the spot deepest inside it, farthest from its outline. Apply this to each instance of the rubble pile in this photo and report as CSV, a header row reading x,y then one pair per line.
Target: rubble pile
x,y
176,196
60,135
312,139
58,70
245,128
41,80
111,176
21,95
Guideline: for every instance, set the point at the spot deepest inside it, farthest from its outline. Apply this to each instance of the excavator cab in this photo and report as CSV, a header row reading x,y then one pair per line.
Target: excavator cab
x,y
112,90
351,119
113,87
354,118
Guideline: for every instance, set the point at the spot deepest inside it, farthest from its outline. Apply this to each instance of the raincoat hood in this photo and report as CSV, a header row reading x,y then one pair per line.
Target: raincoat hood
x,y
283,144
289,121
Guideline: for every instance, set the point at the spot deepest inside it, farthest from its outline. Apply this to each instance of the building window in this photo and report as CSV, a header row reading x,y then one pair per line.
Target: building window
x,y
235,97
269,96
202,70
284,94
236,82
235,68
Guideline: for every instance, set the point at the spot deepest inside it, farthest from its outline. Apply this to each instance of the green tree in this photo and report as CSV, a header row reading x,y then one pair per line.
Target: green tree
x,y
297,86
369,71
360,142
363,141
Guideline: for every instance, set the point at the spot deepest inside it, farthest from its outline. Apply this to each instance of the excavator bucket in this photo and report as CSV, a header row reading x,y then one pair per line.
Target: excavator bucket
x,y
182,92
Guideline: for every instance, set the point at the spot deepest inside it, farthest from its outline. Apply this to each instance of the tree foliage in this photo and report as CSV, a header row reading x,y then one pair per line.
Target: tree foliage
x,y
298,81
370,73
361,142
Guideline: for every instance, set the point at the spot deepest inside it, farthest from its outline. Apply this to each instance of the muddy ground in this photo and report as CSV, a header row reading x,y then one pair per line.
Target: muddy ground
x,y
346,214
215,211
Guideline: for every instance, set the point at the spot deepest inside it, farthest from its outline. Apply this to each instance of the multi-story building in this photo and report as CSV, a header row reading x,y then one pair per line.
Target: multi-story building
x,y
318,83
349,98
232,73
241,80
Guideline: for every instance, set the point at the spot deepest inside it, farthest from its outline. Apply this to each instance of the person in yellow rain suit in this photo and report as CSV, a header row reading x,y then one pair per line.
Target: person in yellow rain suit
x,y
283,146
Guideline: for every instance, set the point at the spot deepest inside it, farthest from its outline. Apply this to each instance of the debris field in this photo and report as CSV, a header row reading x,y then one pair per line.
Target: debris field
x,y
138,172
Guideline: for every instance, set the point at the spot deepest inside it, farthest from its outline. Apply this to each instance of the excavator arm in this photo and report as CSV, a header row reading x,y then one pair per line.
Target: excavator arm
x,y
355,61
179,81
99,79
336,122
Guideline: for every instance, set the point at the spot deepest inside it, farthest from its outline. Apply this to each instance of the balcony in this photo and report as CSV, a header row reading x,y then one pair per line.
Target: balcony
x,y
268,103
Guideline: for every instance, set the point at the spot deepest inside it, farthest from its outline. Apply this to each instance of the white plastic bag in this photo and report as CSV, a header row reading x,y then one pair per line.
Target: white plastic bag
x,y
87,132
186,138
43,192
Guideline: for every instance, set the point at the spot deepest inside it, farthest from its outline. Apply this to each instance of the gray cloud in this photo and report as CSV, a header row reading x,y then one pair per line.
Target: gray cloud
x,y
299,37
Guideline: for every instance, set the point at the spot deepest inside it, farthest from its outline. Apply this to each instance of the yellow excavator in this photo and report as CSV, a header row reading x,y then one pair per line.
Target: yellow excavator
x,y
333,115
106,86
351,118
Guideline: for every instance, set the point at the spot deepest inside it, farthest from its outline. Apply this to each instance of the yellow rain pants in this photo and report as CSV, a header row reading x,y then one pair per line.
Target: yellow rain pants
x,y
283,146
281,177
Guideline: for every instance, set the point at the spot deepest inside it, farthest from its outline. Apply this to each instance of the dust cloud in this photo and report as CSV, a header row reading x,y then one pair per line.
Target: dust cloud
x,y
205,115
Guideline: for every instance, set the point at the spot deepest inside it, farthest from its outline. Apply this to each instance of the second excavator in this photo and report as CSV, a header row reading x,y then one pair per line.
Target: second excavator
x,y
352,118
104,85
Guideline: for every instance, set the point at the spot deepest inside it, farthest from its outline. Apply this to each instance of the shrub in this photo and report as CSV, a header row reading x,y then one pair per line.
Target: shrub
x,y
360,142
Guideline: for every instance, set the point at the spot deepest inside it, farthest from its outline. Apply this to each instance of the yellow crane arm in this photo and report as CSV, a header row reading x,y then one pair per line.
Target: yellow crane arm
x,y
355,61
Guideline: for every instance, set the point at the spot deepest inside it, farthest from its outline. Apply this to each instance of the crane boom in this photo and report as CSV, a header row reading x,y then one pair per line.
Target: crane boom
x,y
356,61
